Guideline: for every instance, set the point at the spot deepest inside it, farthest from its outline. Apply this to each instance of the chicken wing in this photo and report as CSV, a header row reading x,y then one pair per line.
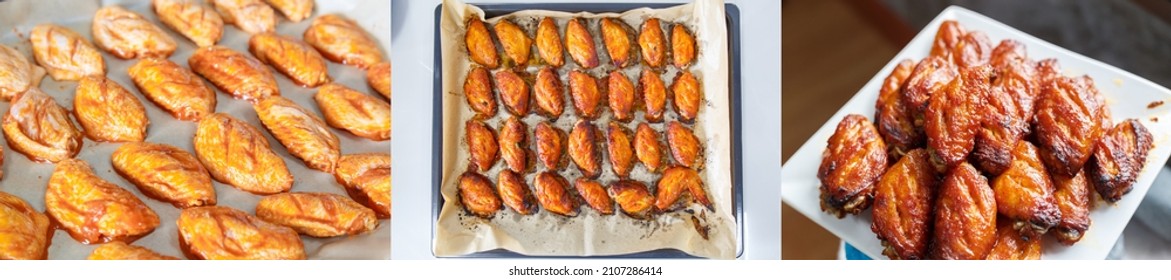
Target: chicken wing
x,y
514,92
251,16
675,181
654,95
973,49
1006,53
549,93
65,54
621,99
1000,130
580,44
1024,193
222,233
1074,199
652,44
683,49
1011,245
303,134
1067,124
478,90
17,74
594,195
477,195
946,38
128,35
687,96
378,76
550,145
514,143
621,151
108,112
552,194
317,214
515,192
931,76
40,129
294,10
482,145
549,43
965,216
234,73
343,41
367,180
26,233
363,115
584,150
119,250
618,38
1118,158
1018,78
479,44
953,117
93,210
238,154
633,198
1047,71
200,24
685,147
903,206
173,88
290,57
586,94
515,41
854,159
647,147
893,116
166,173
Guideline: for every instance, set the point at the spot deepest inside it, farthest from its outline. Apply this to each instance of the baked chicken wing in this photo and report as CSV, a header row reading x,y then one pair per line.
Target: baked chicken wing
x,y
367,180
972,50
25,233
854,159
477,195
550,145
893,116
482,145
685,147
238,154
549,93
128,35
290,57
515,192
1012,245
580,44
584,150
618,38
40,129
687,96
1000,130
378,76
1024,193
303,134
515,41
222,233
553,195
317,214
677,180
343,41
1074,198
654,95
108,112
361,114
549,43
1118,158
234,73
954,115
514,143
173,88
904,202
648,148
93,210
200,24
622,99
620,149
1067,123
294,10
514,92
166,173
965,216
252,16
479,43
652,44
587,95
946,38
633,198
594,195
65,54
683,48
17,74
930,77
478,90
119,250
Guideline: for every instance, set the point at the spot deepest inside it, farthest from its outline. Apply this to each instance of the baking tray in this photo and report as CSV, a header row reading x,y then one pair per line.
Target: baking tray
x,y
732,16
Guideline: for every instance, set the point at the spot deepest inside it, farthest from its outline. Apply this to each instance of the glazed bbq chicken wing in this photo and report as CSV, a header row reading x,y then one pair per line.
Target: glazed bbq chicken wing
x,y
553,194
903,206
1000,130
290,57
222,233
1118,158
93,210
854,159
119,250
652,44
361,114
514,92
252,16
687,96
683,48
620,149
549,93
303,134
685,147
633,198
238,154
108,112
1067,124
1024,193
166,173
234,73
648,148
17,74
622,99
1012,245
965,216
128,35
1074,198
587,95
25,232
514,192
65,54
972,50
514,144
317,214
1018,79
946,38
343,41
294,10
930,77
551,143
953,117
200,24
677,180
893,116
654,95
594,195
173,88
580,44
366,178
477,195
479,43
584,150
515,41
478,91
40,129
482,145
618,38
549,43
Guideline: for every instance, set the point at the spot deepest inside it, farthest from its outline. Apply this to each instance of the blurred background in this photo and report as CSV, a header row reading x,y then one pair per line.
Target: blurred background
x,y
831,48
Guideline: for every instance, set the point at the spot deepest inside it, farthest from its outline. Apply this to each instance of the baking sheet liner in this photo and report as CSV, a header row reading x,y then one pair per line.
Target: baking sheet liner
x,y
28,179
589,234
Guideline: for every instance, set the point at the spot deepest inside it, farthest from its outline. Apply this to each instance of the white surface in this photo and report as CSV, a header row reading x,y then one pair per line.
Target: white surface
x,y
1127,96
414,58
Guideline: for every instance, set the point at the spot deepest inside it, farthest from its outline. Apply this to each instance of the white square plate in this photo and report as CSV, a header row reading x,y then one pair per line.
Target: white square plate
x,y
1127,96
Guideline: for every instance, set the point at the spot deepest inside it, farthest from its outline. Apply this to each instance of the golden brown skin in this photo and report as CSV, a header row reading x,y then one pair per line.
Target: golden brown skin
x,y
367,180
290,57
1018,78
633,198
654,95
946,38
580,44
648,148
17,74
1011,245
119,250
965,216
26,233
93,210
166,173
343,41
482,145
687,96
550,145
594,195
251,16
953,117
652,44
549,93
675,181
234,73
1066,125
618,38
1006,53
361,114
549,43
685,147
584,150
1024,193
892,115
1047,71
515,42
238,154
107,112
294,10
587,95
1118,158
930,77
40,129
683,49
200,24
317,214
972,50
621,151
552,194
514,143
378,76
477,195
65,54
478,90
1074,199
479,44
222,233
1000,130
128,35
173,88
514,92
303,134
903,206
622,98
851,165
515,192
